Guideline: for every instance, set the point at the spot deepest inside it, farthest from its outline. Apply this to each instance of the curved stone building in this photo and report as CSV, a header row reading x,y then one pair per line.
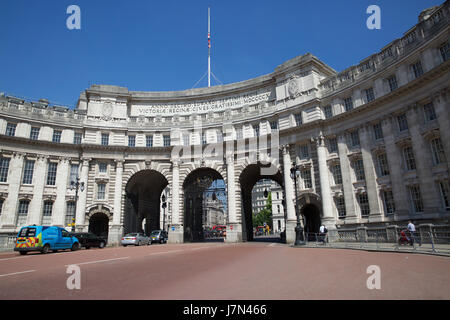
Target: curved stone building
x,y
371,145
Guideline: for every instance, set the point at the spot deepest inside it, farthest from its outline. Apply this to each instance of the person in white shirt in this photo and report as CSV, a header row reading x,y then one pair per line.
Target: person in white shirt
x,y
412,229
322,233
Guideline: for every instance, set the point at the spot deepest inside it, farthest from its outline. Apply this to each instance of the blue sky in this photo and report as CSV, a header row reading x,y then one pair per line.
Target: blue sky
x,y
162,45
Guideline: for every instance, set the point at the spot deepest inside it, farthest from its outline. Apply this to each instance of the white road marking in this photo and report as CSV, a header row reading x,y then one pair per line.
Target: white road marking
x,y
12,274
97,261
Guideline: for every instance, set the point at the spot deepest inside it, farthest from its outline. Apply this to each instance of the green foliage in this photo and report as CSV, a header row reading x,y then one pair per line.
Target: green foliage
x,y
265,215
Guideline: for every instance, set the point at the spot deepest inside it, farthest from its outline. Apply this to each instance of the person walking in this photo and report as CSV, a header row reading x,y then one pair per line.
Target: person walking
x,y
412,230
322,233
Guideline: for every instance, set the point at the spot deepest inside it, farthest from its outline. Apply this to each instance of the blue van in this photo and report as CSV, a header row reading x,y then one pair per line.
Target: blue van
x,y
44,238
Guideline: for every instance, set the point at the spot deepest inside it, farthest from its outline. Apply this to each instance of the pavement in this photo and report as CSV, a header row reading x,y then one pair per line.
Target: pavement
x,y
221,271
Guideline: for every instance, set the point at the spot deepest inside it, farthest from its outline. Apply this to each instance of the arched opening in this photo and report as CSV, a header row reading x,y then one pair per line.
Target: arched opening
x,y
248,179
312,220
98,224
205,206
143,202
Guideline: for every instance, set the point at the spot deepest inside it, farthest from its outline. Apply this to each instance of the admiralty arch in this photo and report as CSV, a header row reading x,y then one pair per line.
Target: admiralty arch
x,y
371,145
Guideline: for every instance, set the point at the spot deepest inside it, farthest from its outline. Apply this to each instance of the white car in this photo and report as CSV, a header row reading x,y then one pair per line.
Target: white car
x,y
135,239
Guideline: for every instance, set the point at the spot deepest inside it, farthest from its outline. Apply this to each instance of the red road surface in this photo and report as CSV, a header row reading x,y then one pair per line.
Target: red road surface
x,y
225,272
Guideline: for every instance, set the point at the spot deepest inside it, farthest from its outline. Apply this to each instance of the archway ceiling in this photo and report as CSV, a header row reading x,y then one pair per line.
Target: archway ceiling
x,y
252,174
148,181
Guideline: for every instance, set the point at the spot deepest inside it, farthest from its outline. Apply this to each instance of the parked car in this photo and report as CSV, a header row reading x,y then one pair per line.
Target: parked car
x,y
136,239
44,239
159,236
88,240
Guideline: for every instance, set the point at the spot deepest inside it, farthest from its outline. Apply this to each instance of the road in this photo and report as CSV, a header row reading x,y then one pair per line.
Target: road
x,y
220,271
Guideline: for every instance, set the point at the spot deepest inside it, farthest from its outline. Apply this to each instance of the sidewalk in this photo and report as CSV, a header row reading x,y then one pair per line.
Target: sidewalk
x,y
426,248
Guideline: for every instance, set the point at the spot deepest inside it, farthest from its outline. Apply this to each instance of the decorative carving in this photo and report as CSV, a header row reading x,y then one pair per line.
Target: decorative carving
x,y
107,110
293,88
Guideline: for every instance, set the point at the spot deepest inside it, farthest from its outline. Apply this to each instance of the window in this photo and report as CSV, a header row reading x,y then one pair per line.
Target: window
x,y
204,141
410,161
437,151
131,141
364,205
51,173
392,83
34,133
354,138
417,69
23,212
11,129
28,172
388,200
186,139
306,177
256,130
1,206
105,139
102,167
430,114
445,51
348,104
328,112
73,173
378,131
239,133
383,167
416,198
337,175
101,191
56,136
402,122
4,168
274,126
166,140
444,186
77,138
298,119
219,136
47,214
304,152
340,206
149,141
358,166
70,213
370,96
332,145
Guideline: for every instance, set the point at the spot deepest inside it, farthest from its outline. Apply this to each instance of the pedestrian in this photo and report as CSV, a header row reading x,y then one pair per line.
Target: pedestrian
x,y
322,233
412,230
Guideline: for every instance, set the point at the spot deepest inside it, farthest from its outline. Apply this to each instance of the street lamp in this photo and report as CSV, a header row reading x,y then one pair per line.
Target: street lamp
x,y
164,205
299,240
76,185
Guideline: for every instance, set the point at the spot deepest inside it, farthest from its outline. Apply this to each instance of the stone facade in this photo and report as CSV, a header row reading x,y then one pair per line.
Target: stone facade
x,y
372,143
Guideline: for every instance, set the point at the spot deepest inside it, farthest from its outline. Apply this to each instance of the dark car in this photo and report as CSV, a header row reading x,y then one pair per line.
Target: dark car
x,y
88,239
158,236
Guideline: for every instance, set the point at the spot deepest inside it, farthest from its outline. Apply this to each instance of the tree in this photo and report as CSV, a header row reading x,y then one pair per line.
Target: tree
x,y
265,215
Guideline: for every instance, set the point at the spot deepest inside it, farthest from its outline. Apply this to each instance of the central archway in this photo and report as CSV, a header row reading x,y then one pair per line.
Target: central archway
x,y
204,205
98,224
143,201
248,178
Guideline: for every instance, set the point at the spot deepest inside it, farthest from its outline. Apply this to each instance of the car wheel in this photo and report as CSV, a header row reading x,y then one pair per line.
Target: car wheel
x,y
101,245
75,247
45,249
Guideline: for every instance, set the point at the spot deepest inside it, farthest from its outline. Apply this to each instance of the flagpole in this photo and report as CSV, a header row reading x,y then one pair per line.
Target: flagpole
x,y
209,48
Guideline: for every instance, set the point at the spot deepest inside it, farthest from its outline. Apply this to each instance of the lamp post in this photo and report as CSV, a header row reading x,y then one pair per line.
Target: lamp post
x,y
299,240
164,205
76,185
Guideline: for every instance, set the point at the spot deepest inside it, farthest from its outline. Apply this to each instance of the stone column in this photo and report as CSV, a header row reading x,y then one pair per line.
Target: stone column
x,y
395,160
327,206
82,197
36,205
424,163
370,175
176,229
60,206
290,196
347,184
11,205
440,103
234,229
115,231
